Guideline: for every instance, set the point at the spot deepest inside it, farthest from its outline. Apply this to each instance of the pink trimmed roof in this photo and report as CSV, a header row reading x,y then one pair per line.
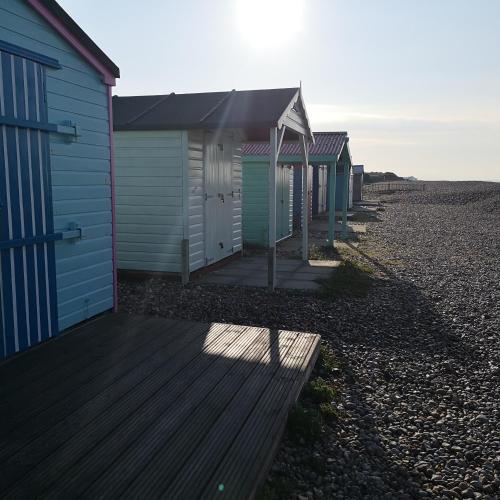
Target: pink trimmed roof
x,y
62,22
326,143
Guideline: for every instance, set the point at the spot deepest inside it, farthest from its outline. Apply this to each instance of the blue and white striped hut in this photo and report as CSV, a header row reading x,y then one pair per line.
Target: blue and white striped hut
x,y
56,218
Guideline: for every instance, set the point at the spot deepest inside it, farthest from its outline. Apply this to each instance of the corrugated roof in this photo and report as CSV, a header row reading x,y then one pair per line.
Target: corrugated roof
x,y
248,109
326,144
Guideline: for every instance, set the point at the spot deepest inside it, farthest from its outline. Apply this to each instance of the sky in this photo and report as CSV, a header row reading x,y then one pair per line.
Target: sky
x,y
416,83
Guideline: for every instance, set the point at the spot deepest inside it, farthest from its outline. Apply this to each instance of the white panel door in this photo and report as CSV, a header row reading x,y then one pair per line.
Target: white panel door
x,y
218,197
211,170
225,229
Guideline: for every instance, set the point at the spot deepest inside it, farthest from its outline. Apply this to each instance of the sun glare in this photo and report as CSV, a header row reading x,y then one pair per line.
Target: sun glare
x,y
269,24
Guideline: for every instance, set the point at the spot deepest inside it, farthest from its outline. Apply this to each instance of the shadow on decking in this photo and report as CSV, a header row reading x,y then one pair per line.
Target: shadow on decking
x,y
143,406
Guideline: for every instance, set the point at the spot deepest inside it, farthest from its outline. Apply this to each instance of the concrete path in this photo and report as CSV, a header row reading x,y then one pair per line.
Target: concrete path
x,y
290,273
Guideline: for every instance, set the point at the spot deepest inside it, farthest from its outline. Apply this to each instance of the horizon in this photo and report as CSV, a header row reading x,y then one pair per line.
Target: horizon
x,y
426,105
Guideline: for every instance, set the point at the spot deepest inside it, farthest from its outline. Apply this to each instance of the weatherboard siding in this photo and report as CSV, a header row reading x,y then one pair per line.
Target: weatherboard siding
x,y
256,202
80,169
149,200
196,200
289,213
340,189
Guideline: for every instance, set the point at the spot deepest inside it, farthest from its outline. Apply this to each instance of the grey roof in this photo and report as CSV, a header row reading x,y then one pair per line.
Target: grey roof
x,y
252,110
325,144
358,169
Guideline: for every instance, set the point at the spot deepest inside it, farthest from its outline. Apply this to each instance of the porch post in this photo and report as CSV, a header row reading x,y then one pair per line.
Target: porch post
x,y
346,200
305,198
332,185
271,253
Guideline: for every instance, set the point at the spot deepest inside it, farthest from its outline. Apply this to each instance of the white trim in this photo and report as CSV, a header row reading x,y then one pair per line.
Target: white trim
x,y
291,104
273,163
280,139
305,198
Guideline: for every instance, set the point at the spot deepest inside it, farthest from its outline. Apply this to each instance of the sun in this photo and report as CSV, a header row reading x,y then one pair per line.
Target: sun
x,y
269,24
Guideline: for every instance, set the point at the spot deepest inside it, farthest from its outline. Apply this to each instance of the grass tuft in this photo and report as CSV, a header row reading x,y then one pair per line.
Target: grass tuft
x,y
350,279
305,423
328,412
277,488
327,362
320,391
323,252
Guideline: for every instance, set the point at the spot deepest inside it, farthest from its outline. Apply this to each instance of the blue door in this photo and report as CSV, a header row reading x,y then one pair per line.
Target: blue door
x,y
27,263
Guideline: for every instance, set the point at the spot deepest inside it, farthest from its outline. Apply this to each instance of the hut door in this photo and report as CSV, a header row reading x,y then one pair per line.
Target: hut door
x,y
282,201
27,263
322,186
219,198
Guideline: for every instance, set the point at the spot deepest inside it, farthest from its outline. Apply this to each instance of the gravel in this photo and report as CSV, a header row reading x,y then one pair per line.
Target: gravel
x,y
420,354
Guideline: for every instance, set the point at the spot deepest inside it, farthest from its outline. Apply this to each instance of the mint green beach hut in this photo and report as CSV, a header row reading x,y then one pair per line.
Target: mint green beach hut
x,y
255,201
330,153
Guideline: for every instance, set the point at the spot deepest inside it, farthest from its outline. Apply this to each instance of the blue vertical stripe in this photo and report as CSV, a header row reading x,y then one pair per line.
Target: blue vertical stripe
x,y
28,205
34,201
17,268
17,197
6,296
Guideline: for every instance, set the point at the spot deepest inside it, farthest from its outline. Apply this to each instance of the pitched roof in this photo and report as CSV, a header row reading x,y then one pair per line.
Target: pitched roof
x,y
252,110
46,8
325,144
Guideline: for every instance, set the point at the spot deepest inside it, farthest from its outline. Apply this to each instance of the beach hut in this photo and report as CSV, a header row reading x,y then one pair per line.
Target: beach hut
x,y
297,195
357,183
330,152
56,238
179,179
344,189
255,202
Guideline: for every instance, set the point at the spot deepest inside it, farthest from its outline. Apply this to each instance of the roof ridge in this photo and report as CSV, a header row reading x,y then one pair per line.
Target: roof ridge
x,y
148,109
336,133
217,106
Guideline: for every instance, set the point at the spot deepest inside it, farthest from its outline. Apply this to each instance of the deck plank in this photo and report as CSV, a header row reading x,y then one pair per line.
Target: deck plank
x,y
151,408
176,444
240,416
156,427
100,365
31,365
105,413
84,402
259,438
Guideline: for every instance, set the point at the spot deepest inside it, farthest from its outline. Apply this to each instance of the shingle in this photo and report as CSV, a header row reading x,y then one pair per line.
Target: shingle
x,y
326,143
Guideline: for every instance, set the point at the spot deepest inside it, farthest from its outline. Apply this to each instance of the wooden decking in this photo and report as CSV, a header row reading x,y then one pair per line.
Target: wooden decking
x,y
145,407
